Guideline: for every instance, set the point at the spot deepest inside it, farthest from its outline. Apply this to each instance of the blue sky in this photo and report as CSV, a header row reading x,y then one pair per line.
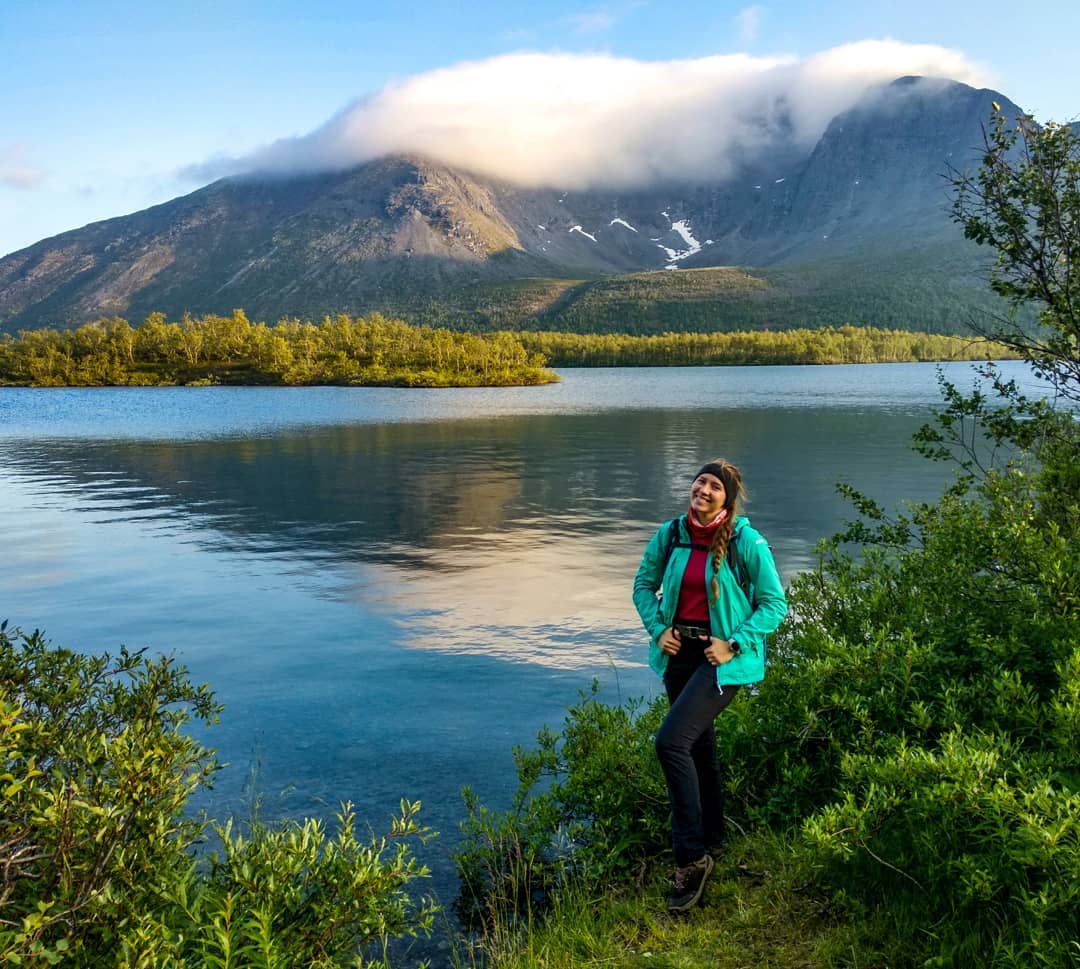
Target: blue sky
x,y
108,106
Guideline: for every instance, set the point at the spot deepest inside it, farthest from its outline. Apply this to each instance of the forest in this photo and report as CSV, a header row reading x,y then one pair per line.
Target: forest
x,y
844,344
340,350
375,351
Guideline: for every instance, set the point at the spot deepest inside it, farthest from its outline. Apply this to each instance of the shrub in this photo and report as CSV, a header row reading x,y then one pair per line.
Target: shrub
x,y
97,854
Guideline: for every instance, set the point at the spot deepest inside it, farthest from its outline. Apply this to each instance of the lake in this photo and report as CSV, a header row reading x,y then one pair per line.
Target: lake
x,y
388,589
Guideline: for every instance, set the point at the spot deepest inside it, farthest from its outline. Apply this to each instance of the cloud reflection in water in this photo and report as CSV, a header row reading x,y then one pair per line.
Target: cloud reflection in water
x,y
532,595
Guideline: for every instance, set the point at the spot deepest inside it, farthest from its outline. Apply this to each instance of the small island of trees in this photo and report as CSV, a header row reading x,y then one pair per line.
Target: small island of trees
x,y
341,350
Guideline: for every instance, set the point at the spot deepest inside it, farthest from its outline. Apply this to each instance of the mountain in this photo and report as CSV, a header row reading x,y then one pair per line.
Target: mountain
x,y
853,229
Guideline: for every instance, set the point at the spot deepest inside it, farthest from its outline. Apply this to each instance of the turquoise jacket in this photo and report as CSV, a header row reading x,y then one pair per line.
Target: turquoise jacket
x,y
731,615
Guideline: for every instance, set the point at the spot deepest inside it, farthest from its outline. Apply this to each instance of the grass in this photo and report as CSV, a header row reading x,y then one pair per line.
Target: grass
x,y
653,301
935,288
489,306
932,290
755,912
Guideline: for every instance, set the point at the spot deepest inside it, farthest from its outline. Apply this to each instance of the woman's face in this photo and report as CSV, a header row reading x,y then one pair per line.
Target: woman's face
x,y
707,497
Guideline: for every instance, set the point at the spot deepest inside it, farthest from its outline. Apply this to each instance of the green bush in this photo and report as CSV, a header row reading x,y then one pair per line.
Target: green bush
x,y
590,803
966,849
97,855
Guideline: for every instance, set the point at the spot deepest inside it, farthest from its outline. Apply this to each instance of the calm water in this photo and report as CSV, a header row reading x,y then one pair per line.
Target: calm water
x,y
388,589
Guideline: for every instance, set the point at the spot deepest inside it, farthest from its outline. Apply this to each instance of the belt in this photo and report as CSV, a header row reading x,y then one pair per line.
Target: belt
x,y
691,632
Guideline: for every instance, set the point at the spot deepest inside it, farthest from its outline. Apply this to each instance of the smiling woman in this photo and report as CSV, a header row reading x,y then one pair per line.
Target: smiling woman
x,y
720,597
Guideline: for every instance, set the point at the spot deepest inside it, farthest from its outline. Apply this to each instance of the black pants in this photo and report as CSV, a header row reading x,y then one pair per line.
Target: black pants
x,y
686,746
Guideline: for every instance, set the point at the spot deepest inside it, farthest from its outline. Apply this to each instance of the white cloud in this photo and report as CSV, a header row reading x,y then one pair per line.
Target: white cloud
x,y
749,22
15,172
573,120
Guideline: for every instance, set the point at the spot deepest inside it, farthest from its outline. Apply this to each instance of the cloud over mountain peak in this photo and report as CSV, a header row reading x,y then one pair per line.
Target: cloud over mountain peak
x,y
584,120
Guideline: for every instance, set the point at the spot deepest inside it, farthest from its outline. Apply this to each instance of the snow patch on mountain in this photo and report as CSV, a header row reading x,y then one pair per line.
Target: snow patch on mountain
x,y
692,246
577,228
683,228
622,222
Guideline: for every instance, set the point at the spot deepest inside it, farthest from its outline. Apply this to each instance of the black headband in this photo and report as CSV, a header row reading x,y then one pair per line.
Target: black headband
x,y
714,469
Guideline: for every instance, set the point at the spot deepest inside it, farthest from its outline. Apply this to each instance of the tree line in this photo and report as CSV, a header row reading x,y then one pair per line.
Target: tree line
x,y
843,344
373,350
212,349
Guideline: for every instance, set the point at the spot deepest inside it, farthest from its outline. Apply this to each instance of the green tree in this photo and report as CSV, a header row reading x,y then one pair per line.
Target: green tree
x,y
1024,202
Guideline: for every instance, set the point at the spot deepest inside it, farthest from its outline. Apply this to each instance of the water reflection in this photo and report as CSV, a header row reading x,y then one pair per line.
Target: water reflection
x,y
514,537
400,494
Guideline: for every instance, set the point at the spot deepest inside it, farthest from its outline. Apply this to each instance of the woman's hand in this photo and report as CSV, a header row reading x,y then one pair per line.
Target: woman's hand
x,y
669,641
718,652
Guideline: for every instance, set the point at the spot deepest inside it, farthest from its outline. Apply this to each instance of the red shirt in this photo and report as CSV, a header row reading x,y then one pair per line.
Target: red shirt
x,y
693,593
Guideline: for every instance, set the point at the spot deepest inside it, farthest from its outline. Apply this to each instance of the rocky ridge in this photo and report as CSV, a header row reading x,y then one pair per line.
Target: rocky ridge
x,y
408,235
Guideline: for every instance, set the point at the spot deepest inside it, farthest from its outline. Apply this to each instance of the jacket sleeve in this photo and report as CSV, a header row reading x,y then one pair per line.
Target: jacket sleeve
x,y
650,576
770,603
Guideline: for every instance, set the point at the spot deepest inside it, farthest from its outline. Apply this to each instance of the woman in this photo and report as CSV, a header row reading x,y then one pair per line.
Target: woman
x,y
720,596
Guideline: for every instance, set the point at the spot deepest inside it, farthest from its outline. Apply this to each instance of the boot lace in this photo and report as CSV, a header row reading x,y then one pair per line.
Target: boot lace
x,y
682,876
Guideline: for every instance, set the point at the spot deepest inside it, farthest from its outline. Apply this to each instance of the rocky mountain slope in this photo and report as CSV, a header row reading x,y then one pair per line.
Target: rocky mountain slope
x,y
409,236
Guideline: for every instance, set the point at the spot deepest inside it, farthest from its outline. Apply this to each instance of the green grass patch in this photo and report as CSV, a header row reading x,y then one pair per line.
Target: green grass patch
x,y
937,287
757,911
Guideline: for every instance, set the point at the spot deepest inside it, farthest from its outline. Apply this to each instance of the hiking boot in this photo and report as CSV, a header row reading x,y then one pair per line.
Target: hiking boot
x,y
689,884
